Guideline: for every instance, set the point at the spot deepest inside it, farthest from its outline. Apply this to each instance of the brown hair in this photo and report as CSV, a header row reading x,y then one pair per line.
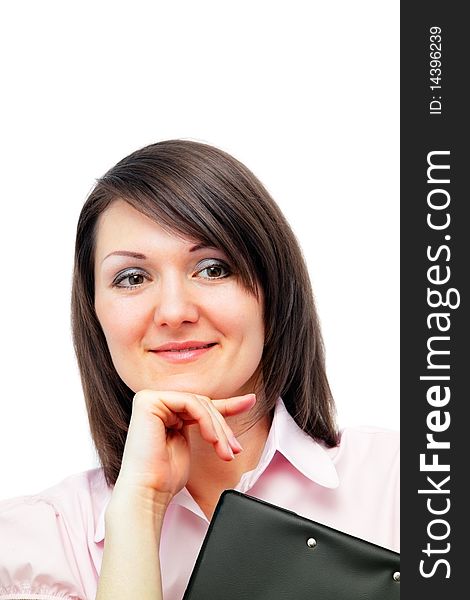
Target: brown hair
x,y
203,193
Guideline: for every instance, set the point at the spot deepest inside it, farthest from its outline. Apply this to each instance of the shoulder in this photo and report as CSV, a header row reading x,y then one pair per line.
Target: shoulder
x,y
77,485
46,537
76,501
367,461
367,447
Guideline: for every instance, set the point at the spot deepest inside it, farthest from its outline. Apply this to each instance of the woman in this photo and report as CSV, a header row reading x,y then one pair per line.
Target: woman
x,y
202,367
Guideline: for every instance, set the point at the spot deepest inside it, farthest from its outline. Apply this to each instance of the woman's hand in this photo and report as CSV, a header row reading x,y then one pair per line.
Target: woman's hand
x,y
156,457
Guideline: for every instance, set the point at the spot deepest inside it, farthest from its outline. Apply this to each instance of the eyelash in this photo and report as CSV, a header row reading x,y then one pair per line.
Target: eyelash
x,y
135,272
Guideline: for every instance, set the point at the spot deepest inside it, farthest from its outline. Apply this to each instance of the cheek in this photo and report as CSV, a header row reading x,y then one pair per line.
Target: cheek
x,y
122,323
235,313
242,320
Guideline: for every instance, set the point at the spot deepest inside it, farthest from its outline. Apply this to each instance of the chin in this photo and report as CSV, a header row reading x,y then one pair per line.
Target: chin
x,y
189,386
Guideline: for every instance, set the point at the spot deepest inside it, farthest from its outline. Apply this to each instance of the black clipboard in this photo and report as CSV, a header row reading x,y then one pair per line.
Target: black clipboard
x,y
254,550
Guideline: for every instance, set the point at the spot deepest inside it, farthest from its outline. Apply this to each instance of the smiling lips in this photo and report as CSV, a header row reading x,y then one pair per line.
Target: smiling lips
x,y
178,352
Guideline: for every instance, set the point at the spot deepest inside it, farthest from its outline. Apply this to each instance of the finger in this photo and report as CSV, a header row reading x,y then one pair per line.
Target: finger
x,y
232,440
178,409
202,416
200,409
224,449
171,419
228,407
164,405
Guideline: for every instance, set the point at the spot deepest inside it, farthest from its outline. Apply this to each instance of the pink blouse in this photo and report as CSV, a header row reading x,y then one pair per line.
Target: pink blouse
x,y
51,543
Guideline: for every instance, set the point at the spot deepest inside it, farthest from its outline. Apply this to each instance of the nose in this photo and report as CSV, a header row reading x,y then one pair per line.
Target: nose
x,y
176,302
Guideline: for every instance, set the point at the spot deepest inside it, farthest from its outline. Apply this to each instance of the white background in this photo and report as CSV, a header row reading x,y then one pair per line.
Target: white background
x,y
304,93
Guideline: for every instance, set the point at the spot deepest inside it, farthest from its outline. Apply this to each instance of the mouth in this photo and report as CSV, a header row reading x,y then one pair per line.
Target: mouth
x,y
185,349
183,352
183,346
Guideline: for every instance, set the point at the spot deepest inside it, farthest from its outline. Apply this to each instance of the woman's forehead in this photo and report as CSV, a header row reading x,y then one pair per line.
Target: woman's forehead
x,y
120,218
123,225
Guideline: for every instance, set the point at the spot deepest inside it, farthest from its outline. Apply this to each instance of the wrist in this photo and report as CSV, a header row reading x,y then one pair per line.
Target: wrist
x,y
136,501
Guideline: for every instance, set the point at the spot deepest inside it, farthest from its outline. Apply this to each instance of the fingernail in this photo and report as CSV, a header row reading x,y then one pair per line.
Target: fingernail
x,y
235,443
231,452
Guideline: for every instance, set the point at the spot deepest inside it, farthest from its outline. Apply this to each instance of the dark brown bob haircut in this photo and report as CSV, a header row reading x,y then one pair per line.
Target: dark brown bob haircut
x,y
200,192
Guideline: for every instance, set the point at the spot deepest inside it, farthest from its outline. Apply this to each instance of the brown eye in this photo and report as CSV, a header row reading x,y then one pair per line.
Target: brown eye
x,y
214,270
133,279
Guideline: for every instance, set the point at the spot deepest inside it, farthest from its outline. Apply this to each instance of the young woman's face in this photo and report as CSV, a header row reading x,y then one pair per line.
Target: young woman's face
x,y
174,315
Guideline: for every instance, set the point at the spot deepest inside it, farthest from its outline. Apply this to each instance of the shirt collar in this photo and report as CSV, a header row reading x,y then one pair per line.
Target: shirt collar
x,y
305,454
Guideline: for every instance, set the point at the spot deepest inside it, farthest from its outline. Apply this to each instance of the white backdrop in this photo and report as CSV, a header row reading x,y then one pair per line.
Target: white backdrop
x,y
304,93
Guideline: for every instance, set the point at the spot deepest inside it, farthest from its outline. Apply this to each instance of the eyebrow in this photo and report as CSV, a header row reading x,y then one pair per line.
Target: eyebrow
x,y
141,256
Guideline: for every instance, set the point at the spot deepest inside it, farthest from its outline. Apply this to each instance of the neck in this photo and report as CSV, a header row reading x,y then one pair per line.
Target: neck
x,y
210,476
